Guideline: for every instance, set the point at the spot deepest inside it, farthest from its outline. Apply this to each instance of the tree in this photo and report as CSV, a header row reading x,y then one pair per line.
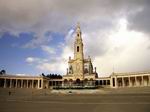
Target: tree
x,y
2,72
43,74
54,76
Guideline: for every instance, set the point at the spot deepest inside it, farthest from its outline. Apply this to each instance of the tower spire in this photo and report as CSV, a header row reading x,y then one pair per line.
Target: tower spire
x,y
78,26
78,31
78,45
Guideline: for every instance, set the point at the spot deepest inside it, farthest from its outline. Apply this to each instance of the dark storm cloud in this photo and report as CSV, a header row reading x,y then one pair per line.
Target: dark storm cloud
x,y
40,16
140,19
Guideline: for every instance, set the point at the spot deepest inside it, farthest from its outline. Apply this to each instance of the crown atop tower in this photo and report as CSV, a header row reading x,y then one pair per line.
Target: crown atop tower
x,y
78,27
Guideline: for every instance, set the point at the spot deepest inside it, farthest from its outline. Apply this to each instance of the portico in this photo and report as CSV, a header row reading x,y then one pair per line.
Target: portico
x,y
10,81
138,79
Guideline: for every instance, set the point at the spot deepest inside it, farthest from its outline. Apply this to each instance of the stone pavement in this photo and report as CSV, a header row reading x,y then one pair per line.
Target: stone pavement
x,y
127,100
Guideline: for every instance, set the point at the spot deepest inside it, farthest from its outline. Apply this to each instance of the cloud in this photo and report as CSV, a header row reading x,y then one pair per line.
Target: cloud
x,y
104,40
139,18
54,63
50,67
123,50
35,60
38,40
57,16
54,15
48,49
118,49
30,59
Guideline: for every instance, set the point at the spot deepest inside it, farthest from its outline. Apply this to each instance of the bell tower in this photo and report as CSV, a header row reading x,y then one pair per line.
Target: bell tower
x,y
78,45
79,68
78,55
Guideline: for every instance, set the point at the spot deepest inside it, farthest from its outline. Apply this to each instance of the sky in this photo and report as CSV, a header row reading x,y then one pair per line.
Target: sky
x,y
37,36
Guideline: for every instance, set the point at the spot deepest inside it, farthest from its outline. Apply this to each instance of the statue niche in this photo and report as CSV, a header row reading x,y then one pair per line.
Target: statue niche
x,y
86,70
70,70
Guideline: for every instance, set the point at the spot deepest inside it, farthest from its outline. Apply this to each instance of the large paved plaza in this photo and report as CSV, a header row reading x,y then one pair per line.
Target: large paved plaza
x,y
122,100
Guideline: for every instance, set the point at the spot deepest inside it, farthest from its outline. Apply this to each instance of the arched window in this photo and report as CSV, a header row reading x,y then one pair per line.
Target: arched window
x,y
77,48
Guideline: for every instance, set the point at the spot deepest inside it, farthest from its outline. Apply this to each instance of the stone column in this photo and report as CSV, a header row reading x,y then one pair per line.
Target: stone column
x,y
10,83
129,81
32,83
16,83
4,83
27,83
98,82
142,81
123,84
102,82
62,83
149,80
136,81
54,83
116,83
21,83
38,84
111,82
42,83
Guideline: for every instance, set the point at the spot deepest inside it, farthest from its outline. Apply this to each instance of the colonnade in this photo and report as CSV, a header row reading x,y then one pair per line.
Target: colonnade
x,y
55,83
78,82
131,81
114,81
21,83
103,82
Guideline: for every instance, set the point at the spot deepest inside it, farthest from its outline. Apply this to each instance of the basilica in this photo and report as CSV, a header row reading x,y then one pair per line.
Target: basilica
x,y
80,70
80,74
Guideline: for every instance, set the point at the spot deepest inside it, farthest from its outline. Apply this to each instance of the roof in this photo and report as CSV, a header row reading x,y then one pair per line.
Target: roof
x,y
130,73
19,76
